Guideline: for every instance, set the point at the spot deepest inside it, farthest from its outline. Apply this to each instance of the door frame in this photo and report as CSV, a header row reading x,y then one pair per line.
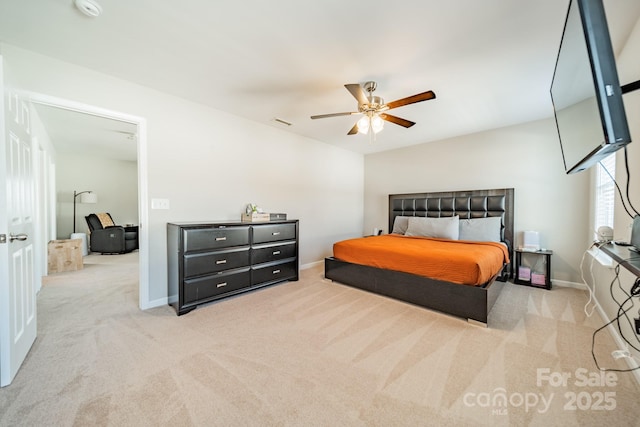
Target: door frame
x,y
143,205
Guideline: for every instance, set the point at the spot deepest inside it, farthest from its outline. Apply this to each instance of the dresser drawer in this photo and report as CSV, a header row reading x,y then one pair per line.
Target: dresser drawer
x,y
272,252
273,232
196,290
273,272
198,239
213,262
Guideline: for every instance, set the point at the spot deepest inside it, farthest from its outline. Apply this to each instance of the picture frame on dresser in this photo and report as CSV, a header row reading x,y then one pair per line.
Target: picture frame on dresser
x,y
210,261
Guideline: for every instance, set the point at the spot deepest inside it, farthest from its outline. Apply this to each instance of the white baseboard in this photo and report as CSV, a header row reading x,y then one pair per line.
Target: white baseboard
x,y
155,303
566,284
311,265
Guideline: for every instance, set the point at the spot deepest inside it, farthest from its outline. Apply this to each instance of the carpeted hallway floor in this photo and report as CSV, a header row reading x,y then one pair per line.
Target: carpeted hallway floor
x,y
305,353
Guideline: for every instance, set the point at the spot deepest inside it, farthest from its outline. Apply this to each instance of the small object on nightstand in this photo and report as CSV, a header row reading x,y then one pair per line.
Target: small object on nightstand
x,y
531,241
524,273
538,279
534,276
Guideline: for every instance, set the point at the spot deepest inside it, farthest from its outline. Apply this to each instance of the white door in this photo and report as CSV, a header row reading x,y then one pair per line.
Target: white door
x,y
17,270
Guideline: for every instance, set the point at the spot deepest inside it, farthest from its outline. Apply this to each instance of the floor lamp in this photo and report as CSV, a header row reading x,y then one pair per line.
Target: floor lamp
x,y
85,197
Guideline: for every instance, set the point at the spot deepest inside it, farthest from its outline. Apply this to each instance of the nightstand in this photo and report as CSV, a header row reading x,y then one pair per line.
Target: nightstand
x,y
525,262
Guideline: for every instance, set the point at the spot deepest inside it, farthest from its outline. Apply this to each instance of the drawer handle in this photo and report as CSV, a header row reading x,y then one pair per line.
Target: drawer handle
x,y
276,271
276,233
221,261
219,239
276,253
220,285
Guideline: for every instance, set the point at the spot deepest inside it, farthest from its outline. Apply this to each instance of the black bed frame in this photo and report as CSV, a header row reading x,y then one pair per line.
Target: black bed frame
x,y
471,302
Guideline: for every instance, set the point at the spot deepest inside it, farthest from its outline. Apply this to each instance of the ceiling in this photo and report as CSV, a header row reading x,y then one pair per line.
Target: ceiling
x,y
489,62
80,134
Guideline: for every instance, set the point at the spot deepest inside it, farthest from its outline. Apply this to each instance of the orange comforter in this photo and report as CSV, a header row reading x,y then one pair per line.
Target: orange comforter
x,y
457,261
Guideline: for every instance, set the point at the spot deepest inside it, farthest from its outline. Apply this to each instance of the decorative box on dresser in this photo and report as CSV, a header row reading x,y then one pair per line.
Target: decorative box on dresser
x,y
208,261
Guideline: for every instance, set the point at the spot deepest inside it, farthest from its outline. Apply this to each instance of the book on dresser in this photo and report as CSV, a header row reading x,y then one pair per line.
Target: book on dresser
x,y
208,261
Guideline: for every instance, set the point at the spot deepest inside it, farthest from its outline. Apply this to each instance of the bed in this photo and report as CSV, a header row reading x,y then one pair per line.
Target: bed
x,y
472,301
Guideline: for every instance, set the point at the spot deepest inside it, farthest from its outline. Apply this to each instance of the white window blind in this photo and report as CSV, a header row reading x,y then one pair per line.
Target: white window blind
x,y
605,192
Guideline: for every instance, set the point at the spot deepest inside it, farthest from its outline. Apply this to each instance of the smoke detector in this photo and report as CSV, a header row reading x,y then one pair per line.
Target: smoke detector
x,y
90,8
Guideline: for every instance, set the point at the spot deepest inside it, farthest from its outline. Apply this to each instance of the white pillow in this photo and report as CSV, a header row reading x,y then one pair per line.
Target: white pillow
x,y
444,227
481,229
400,224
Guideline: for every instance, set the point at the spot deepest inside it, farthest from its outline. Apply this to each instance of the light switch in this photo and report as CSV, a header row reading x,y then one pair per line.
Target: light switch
x,y
159,203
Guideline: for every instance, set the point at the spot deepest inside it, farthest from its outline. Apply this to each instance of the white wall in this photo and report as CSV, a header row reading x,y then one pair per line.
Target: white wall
x,y
525,157
210,164
115,182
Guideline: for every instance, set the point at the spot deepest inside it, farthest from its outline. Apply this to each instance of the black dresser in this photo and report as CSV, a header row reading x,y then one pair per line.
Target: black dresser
x,y
213,260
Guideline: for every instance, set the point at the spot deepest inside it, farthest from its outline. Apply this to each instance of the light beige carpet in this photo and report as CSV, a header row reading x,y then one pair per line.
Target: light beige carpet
x,y
305,353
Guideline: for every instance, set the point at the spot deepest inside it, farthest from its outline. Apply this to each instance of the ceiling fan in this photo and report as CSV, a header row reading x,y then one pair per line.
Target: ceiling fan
x,y
374,109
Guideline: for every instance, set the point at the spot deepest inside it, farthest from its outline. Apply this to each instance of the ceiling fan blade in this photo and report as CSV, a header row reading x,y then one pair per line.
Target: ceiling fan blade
x,y
324,116
358,93
424,96
353,130
397,120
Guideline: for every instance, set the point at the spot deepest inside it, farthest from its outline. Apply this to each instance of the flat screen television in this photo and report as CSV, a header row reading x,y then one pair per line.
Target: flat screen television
x,y
585,91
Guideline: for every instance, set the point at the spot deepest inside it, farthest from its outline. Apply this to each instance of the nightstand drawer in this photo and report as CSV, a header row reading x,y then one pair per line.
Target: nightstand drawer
x,y
213,238
197,290
267,253
274,233
213,262
274,272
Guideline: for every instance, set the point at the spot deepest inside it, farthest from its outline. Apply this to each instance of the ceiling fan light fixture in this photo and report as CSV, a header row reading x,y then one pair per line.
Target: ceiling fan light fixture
x,y
371,121
376,123
363,125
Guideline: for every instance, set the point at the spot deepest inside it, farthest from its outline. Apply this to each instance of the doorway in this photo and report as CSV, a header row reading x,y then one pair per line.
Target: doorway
x,y
120,135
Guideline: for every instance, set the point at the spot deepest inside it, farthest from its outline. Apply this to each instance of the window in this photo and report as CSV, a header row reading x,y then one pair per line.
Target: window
x,y
605,192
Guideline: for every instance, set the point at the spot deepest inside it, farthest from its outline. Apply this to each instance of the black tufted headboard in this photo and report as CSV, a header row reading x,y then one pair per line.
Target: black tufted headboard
x,y
466,204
